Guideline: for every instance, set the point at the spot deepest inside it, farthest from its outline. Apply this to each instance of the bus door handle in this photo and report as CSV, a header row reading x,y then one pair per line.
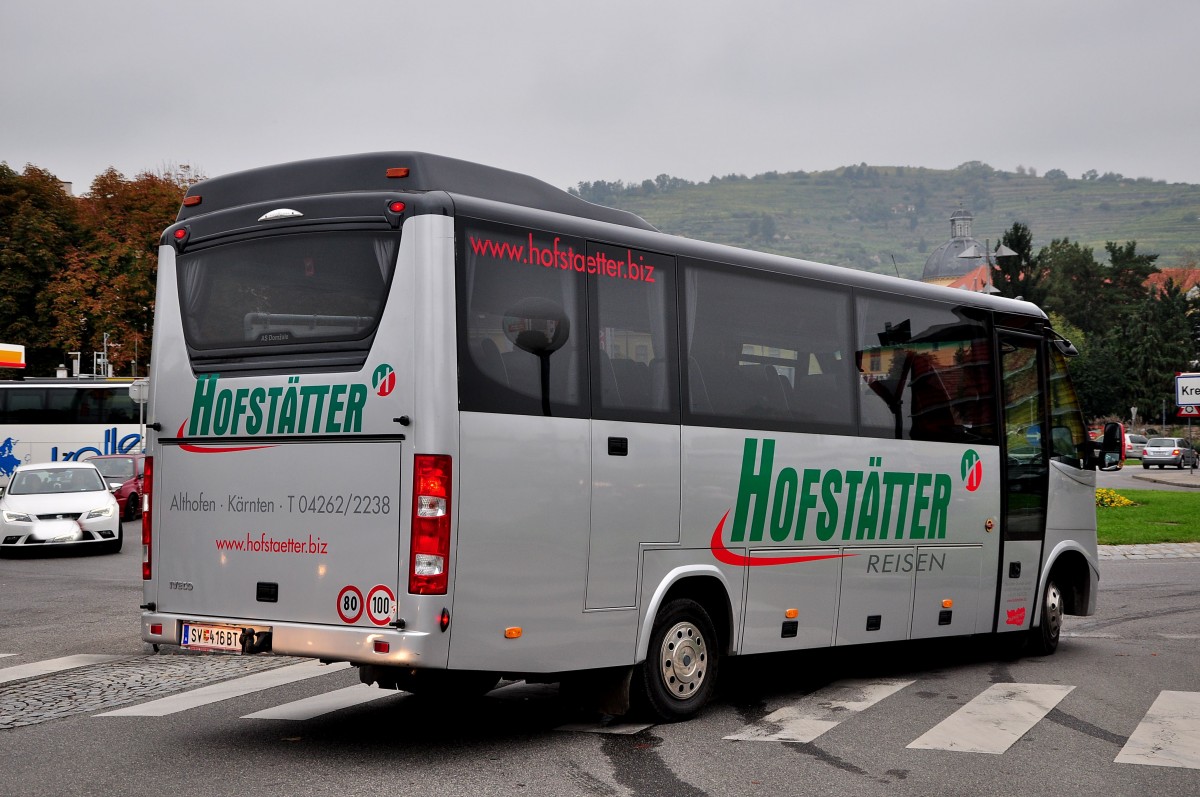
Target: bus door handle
x,y
618,446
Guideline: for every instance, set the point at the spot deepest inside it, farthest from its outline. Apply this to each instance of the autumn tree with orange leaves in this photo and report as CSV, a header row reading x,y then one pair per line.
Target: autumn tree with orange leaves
x,y
73,269
106,283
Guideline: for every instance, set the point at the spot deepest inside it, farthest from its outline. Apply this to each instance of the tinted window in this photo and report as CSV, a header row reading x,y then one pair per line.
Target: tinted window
x,y
766,351
56,480
269,292
1069,439
635,375
68,405
925,371
114,467
522,322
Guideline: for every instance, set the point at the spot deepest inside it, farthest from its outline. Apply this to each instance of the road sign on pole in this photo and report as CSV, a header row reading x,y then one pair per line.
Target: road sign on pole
x,y
1189,411
1187,389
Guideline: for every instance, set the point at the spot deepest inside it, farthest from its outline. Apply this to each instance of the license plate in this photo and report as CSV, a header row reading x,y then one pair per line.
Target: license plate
x,y
198,636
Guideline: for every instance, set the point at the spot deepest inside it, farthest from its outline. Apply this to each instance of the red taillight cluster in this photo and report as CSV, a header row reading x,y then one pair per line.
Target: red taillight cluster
x,y
147,523
429,554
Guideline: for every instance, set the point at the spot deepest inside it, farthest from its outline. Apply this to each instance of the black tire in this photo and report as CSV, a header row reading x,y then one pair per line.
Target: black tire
x,y
679,674
1145,466
1044,639
133,506
113,545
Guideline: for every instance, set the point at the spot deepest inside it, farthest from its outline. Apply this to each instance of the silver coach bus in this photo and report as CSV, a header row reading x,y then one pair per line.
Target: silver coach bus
x,y
450,424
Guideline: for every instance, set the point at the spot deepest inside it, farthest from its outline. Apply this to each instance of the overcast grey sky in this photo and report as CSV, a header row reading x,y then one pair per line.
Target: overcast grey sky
x,y
570,91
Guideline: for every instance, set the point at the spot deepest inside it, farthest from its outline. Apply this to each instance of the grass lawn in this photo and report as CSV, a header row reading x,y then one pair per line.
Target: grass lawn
x,y
1159,516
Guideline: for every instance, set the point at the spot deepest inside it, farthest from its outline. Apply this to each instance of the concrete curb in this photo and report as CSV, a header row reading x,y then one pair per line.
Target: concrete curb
x,y
1166,550
1176,478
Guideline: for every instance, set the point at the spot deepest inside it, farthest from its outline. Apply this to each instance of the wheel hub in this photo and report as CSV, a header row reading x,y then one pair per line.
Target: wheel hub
x,y
684,660
1053,610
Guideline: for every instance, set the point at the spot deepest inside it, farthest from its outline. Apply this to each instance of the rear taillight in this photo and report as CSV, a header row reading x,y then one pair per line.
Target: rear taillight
x,y
1176,452
429,554
147,524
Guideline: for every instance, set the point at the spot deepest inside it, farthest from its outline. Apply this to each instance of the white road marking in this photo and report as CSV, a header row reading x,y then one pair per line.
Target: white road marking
x,y
1169,734
325,703
225,690
994,720
36,668
815,714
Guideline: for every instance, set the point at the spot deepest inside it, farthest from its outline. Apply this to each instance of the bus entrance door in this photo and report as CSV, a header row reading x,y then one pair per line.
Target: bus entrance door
x,y
1026,478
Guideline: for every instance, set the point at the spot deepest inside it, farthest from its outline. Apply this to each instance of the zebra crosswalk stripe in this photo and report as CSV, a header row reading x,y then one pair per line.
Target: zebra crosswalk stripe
x,y
1169,734
227,689
816,713
324,703
48,666
994,719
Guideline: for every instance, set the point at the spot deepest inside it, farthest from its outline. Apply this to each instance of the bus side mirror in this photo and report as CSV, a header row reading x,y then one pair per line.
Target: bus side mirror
x,y
1112,447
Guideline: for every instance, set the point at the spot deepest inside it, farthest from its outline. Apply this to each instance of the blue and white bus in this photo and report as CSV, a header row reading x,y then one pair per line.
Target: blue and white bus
x,y
451,424
53,420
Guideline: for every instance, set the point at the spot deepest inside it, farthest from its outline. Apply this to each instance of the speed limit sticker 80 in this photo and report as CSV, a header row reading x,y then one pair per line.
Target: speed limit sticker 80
x,y
350,604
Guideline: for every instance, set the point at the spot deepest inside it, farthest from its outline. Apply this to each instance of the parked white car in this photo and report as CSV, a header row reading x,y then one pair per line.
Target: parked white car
x,y
59,503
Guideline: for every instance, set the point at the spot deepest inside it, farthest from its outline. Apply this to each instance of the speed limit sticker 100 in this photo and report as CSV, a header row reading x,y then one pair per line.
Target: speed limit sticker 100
x,y
381,604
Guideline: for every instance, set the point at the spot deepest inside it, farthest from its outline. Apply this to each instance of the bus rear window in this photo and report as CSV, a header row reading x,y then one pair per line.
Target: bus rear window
x,y
286,290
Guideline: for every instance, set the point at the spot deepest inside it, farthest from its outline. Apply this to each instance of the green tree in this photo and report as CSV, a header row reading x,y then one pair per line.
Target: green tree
x,y
1152,343
1127,273
1075,282
1019,275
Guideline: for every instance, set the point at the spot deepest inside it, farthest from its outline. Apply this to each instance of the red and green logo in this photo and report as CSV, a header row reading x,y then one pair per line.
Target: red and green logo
x,y
793,505
972,470
384,379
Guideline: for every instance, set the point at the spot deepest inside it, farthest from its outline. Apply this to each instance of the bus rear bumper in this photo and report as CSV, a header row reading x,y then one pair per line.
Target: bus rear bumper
x,y
384,646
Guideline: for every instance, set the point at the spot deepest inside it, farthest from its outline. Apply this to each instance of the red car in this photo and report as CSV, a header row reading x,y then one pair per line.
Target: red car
x,y
124,474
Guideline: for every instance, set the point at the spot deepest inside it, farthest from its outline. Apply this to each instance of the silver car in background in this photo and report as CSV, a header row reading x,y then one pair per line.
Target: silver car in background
x,y
59,504
1163,451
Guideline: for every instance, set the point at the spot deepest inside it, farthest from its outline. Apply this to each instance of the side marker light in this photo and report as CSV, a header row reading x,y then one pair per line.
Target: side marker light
x,y
512,632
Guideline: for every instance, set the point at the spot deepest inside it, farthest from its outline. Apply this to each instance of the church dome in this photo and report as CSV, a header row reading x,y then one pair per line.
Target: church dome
x,y
961,255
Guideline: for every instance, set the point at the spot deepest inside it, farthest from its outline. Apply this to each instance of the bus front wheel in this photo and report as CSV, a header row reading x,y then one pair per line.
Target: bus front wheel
x,y
1044,638
680,671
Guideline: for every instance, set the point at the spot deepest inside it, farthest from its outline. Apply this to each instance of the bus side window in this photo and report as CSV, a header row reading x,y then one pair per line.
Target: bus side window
x,y
925,372
633,335
1068,439
749,342
510,291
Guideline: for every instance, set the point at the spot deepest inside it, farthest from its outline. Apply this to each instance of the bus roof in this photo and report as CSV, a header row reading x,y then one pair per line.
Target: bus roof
x,y
393,171
518,198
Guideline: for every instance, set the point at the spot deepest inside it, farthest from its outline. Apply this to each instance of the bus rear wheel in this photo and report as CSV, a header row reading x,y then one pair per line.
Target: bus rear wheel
x,y
1044,639
680,671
